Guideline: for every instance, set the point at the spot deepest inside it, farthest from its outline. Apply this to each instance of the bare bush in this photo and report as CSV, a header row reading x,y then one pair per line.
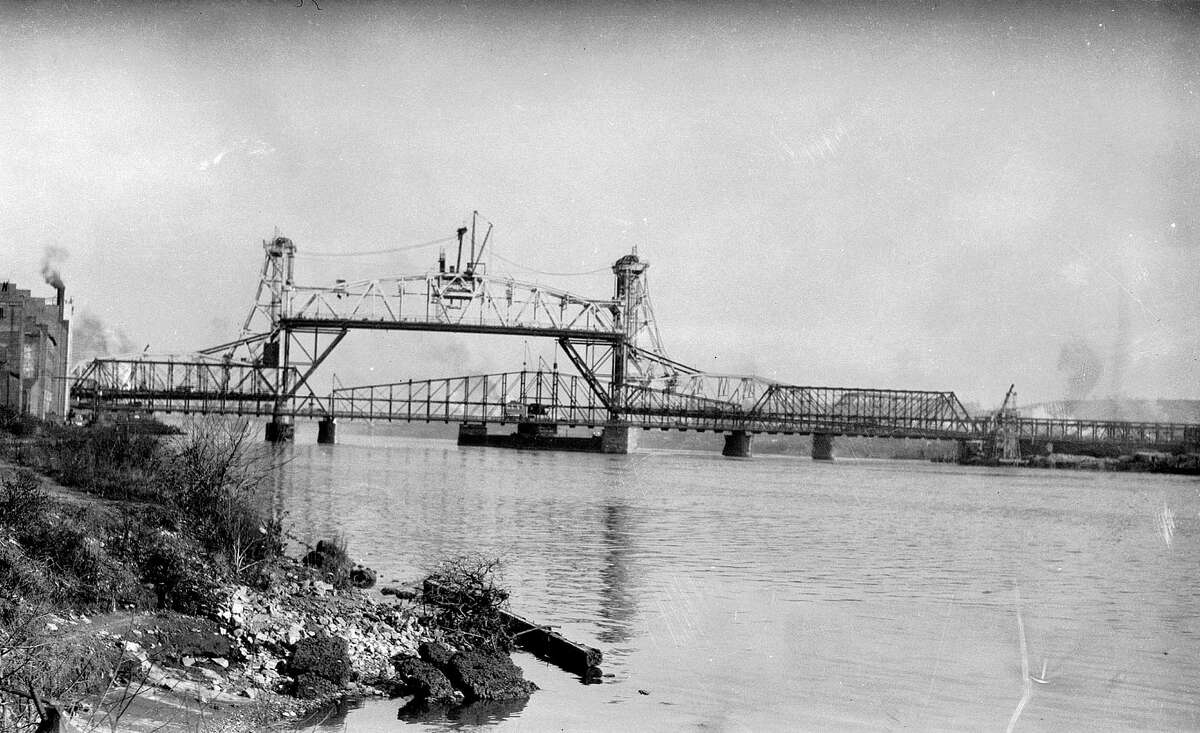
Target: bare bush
x,y
212,477
463,600
22,499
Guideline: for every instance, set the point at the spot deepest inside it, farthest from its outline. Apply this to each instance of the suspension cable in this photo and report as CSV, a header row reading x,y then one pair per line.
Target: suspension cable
x,y
502,258
430,243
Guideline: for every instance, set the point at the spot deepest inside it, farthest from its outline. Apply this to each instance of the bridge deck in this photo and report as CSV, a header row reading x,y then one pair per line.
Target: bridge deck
x,y
565,399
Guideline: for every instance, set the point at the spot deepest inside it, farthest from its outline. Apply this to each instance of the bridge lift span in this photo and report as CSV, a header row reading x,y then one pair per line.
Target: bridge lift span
x,y
623,379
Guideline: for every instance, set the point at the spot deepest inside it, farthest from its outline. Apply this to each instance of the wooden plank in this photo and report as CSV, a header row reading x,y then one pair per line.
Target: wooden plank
x,y
545,643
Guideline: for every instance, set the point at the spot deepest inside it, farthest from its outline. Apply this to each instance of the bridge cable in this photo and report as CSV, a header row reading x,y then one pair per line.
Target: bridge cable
x,y
378,251
544,272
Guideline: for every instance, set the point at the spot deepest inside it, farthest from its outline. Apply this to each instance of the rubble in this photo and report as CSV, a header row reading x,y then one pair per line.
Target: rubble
x,y
296,643
287,648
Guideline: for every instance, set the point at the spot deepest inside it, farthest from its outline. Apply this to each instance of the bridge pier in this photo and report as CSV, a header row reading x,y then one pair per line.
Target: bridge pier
x,y
737,444
535,431
970,451
470,433
618,438
327,431
822,447
280,431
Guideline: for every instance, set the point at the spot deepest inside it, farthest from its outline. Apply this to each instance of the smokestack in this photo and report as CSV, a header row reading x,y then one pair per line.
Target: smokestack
x,y
60,290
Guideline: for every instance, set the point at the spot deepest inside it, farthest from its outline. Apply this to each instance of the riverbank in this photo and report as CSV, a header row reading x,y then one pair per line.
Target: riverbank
x,y
1187,464
143,590
1183,464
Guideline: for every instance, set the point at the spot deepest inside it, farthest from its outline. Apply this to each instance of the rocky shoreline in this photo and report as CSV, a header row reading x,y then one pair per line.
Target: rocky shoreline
x,y
143,590
278,653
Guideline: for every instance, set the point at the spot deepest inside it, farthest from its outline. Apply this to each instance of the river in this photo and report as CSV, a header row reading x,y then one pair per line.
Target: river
x,y
779,593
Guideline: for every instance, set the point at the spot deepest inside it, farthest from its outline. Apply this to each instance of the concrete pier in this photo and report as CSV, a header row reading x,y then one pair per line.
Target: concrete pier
x,y
280,431
534,431
472,434
822,447
327,431
737,444
618,438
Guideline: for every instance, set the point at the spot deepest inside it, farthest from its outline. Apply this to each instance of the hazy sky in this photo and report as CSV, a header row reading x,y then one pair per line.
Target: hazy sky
x,y
937,196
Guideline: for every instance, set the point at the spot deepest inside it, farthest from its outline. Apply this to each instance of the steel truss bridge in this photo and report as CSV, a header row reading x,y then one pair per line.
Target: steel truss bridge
x,y
621,372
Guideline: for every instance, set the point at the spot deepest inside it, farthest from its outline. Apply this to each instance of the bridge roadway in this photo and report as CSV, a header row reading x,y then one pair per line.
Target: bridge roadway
x,y
555,398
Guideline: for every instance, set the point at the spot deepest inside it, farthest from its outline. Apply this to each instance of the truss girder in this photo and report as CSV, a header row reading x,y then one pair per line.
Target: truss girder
x,y
1039,430
864,411
589,372
570,399
186,385
525,396
450,302
202,385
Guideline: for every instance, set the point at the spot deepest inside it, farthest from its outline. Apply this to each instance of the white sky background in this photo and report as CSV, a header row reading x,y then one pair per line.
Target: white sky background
x,y
929,197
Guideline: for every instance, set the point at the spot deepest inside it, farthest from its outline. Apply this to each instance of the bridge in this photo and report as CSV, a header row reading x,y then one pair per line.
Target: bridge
x,y
620,380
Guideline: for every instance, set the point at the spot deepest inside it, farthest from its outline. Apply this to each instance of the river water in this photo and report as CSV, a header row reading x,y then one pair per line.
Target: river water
x,y
779,593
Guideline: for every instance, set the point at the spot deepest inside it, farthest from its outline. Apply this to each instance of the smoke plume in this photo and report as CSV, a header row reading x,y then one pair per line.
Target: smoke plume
x,y
51,258
92,339
1081,367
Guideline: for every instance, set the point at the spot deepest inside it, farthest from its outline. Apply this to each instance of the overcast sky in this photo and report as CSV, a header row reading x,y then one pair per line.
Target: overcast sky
x,y
933,197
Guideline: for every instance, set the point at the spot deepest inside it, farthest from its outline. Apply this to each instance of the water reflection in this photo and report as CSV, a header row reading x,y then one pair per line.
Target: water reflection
x,y
618,600
470,715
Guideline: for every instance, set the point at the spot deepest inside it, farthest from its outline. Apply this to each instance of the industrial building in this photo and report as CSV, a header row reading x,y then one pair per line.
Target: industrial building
x,y
34,339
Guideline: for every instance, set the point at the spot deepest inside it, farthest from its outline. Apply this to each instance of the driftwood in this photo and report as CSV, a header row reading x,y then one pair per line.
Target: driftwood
x,y
545,643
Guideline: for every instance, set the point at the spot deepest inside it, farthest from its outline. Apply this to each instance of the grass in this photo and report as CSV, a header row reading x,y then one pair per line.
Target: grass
x,y
174,521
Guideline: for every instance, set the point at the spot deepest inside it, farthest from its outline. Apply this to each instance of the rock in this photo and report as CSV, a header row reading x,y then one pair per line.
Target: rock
x,y
211,674
322,655
328,557
194,643
221,662
427,682
310,686
439,655
406,594
362,576
250,693
488,676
